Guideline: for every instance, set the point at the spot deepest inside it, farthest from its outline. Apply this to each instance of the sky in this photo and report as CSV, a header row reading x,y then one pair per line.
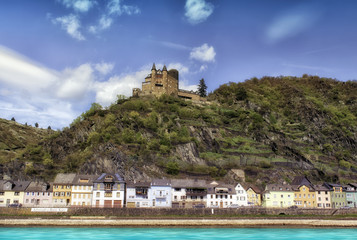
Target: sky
x,y
59,56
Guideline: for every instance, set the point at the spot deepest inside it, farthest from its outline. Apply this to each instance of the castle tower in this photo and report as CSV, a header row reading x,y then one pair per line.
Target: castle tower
x,y
165,81
153,73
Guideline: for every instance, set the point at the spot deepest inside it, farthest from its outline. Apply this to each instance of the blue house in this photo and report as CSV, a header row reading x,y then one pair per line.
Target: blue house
x,y
160,194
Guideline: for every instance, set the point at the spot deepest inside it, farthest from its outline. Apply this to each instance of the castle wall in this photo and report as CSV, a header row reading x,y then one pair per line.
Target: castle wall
x,y
164,82
189,95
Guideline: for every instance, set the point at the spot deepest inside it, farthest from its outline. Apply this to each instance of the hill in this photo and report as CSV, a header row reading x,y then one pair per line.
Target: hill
x,y
272,128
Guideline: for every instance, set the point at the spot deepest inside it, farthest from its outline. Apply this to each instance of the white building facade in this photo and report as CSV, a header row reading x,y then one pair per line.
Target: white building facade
x,y
108,191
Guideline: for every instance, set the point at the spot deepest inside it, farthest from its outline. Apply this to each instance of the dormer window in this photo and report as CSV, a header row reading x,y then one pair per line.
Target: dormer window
x,y
108,178
83,180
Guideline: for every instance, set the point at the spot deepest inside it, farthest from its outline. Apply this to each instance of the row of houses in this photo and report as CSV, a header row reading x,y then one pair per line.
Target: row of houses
x,y
111,191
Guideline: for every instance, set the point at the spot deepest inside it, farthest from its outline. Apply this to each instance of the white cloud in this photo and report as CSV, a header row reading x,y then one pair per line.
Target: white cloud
x,y
104,68
175,45
203,53
291,23
76,82
18,71
106,92
71,24
79,5
115,8
203,68
179,67
198,11
33,93
104,23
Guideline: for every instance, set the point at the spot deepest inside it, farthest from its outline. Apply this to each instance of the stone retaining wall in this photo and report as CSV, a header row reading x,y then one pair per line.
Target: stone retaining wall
x,y
167,212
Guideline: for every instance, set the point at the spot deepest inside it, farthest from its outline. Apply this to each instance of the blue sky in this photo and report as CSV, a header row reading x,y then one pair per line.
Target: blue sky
x,y
59,56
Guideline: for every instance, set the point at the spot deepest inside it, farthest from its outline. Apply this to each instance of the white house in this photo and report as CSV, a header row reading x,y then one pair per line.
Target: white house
x,y
241,195
82,189
160,194
137,195
108,191
220,195
188,193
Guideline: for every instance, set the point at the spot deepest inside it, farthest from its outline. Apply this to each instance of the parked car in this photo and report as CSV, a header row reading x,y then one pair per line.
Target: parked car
x,y
345,207
15,205
199,206
233,206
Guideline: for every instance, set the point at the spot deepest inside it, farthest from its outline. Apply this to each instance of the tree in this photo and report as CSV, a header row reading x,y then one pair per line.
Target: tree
x,y
202,88
36,125
13,119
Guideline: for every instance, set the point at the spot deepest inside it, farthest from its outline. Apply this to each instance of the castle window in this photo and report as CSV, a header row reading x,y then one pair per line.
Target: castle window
x,y
159,85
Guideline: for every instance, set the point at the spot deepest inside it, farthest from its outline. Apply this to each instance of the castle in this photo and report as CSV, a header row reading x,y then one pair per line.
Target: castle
x,y
161,82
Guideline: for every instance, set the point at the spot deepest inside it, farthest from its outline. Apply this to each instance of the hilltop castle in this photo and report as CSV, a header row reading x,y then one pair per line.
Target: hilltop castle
x,y
161,82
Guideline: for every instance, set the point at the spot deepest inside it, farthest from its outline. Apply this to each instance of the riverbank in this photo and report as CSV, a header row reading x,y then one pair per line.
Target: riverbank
x,y
100,222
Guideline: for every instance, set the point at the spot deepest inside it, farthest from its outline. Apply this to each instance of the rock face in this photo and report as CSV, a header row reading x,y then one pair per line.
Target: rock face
x,y
188,153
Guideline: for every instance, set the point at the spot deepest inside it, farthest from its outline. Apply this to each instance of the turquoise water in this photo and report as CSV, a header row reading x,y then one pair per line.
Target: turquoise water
x,y
175,233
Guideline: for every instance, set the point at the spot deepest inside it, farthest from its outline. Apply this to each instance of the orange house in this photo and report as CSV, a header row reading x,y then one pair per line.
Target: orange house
x,y
304,196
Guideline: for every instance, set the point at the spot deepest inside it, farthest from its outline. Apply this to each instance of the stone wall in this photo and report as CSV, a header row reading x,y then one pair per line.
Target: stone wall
x,y
171,212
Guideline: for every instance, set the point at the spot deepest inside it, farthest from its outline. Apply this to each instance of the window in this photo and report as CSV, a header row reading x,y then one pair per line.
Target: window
x,y
97,194
68,194
1,193
118,194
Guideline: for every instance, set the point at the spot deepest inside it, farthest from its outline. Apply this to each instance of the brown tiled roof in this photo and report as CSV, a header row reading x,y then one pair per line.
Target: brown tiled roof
x,y
188,183
138,184
278,188
91,178
38,187
64,178
161,182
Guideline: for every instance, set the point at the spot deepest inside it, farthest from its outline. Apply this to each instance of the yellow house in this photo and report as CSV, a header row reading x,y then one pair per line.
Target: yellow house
x,y
254,194
62,189
305,196
12,192
278,196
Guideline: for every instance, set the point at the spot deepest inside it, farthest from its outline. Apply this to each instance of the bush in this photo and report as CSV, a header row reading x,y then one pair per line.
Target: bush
x,y
172,168
344,164
264,164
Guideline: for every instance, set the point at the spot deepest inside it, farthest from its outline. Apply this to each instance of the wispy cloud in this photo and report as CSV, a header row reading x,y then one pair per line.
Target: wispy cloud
x,y
175,45
79,5
198,11
116,8
291,23
104,68
71,24
204,53
307,67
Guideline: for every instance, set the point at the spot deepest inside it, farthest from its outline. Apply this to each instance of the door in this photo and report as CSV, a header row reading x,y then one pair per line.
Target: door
x,y
107,203
117,203
97,203
221,204
130,205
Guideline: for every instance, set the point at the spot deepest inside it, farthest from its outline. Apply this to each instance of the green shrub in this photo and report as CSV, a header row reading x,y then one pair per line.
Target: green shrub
x,y
172,168
344,164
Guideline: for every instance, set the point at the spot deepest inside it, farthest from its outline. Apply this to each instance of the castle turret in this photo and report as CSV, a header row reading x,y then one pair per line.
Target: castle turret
x,y
165,79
